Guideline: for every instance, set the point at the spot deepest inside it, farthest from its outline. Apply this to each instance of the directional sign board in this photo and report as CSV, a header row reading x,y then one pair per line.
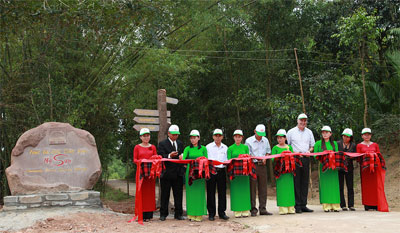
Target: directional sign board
x,y
172,100
150,120
150,127
148,112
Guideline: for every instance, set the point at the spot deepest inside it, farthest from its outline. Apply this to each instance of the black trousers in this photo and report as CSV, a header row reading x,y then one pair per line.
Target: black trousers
x,y
349,175
301,181
218,180
147,215
177,190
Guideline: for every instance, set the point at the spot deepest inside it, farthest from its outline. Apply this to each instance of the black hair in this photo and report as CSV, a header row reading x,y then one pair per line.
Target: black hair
x,y
331,142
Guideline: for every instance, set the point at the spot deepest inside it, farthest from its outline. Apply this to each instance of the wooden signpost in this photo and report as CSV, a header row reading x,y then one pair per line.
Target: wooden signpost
x,y
149,120
150,127
148,112
158,121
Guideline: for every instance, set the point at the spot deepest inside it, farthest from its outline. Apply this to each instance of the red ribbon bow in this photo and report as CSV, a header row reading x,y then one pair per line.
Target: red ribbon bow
x,y
154,172
331,159
247,163
372,157
156,167
289,161
203,163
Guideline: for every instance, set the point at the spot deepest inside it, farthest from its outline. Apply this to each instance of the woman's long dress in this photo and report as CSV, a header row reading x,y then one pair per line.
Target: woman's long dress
x,y
240,185
373,183
195,193
329,192
284,184
148,185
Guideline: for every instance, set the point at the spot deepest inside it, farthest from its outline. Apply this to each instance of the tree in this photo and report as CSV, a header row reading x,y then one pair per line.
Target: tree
x,y
359,31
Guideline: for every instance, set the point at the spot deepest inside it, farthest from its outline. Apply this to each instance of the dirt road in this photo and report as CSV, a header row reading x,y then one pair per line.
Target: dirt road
x,y
318,221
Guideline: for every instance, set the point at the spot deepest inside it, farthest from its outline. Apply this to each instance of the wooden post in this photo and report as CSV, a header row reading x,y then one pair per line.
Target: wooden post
x,y
304,110
301,86
162,109
127,171
162,133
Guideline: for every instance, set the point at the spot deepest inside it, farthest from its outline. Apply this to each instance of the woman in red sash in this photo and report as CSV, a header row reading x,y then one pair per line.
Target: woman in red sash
x,y
145,150
372,174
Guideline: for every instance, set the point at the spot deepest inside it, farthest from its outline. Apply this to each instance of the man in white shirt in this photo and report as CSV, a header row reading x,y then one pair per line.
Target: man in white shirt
x,y
217,151
302,140
259,146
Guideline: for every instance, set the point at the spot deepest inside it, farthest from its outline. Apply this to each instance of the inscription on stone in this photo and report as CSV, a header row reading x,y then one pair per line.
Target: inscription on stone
x,y
53,157
57,136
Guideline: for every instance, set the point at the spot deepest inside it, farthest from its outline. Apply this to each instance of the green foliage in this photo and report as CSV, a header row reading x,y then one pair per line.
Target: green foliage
x,y
387,129
230,63
111,194
117,169
358,29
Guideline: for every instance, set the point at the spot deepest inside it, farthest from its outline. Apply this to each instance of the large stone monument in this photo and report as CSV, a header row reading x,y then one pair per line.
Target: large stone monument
x,y
53,164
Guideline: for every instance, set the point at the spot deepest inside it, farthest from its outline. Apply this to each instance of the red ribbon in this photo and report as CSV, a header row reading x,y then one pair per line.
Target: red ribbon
x,y
289,161
157,167
247,163
203,163
331,159
154,172
372,156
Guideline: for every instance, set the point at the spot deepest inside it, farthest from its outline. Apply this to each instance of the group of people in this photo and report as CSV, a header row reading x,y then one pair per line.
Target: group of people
x,y
291,187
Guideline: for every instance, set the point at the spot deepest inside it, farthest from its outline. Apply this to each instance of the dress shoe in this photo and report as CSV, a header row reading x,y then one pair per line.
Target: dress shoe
x,y
253,214
344,209
298,211
224,217
180,217
305,209
211,218
352,209
265,213
162,218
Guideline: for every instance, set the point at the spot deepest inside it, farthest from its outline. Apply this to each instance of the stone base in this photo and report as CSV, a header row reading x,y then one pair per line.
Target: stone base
x,y
82,199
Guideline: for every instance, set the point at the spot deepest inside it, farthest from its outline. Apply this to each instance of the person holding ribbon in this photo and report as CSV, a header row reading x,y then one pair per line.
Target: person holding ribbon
x,y
145,150
284,183
173,175
372,174
302,140
217,150
196,192
240,185
258,147
347,145
329,195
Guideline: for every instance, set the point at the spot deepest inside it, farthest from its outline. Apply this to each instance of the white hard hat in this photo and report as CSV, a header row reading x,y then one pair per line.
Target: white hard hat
x,y
348,132
302,116
366,130
144,131
174,129
260,130
238,132
281,132
326,128
195,133
217,131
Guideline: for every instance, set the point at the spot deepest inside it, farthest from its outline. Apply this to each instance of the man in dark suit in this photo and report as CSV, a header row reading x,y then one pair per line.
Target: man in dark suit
x,y
173,174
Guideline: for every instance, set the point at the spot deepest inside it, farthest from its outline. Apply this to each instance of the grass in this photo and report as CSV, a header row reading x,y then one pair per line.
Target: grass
x,y
111,194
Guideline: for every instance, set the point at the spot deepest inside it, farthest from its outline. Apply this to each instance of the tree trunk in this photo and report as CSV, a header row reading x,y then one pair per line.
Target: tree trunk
x,y
127,172
268,93
238,125
361,52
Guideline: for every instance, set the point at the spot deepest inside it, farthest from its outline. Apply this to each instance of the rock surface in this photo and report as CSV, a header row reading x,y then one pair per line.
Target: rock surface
x,y
53,157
